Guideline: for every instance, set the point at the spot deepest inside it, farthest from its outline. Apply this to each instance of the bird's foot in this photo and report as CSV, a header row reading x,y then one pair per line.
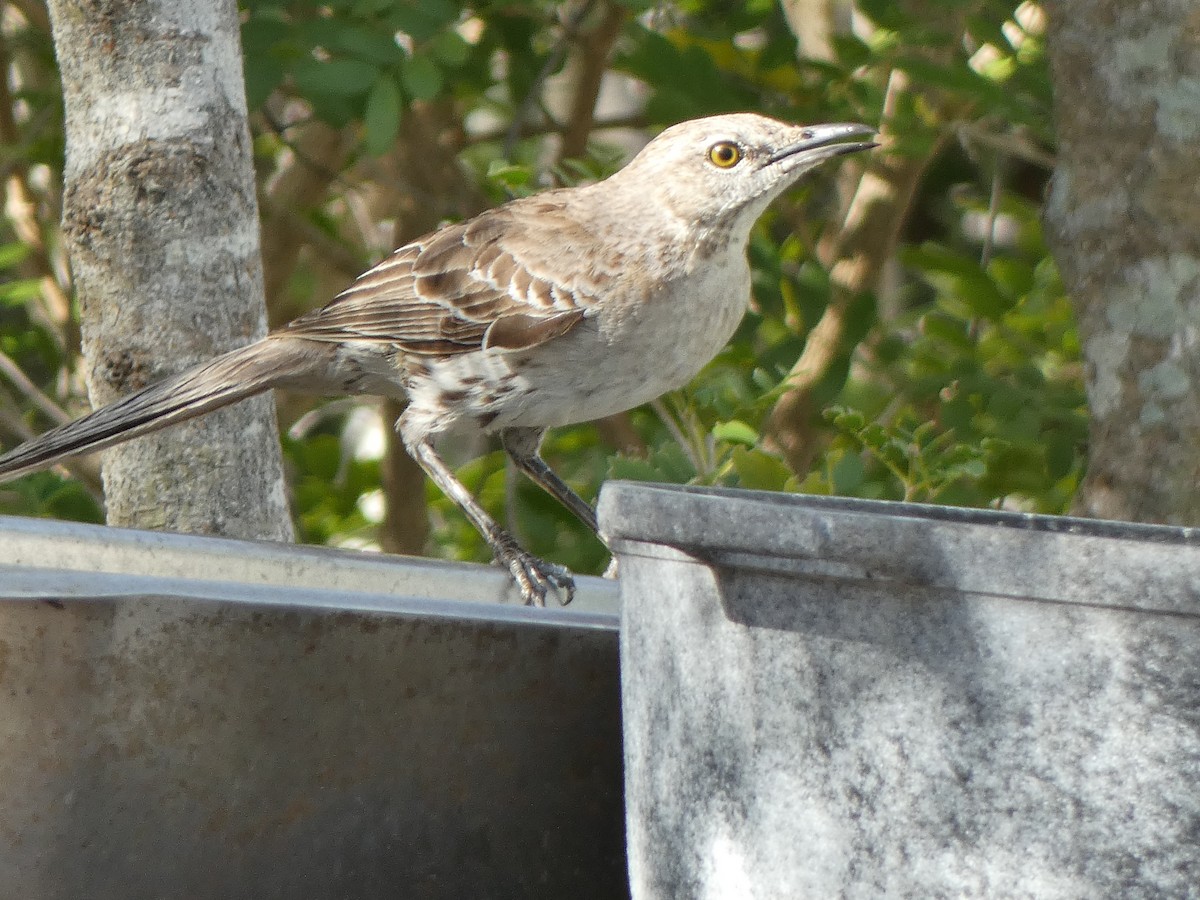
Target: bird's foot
x,y
535,577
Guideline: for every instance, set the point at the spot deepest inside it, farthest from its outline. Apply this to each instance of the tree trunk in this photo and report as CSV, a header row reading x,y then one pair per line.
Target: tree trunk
x,y
161,223
1123,218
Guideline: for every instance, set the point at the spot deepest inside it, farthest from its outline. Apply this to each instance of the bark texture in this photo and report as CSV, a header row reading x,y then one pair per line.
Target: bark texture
x,y
1123,218
161,223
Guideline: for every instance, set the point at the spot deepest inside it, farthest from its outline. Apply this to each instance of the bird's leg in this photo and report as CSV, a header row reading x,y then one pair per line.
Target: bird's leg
x,y
521,445
533,576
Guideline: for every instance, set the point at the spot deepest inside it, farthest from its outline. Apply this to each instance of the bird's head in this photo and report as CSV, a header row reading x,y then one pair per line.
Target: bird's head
x,y
727,167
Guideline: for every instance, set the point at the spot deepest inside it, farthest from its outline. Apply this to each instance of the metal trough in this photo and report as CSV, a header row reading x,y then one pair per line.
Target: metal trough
x,y
194,717
834,698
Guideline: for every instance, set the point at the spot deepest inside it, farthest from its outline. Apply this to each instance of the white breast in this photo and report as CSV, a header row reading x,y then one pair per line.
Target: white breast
x,y
626,357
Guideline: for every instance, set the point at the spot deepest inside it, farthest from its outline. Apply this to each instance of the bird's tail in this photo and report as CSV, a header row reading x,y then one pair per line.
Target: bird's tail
x,y
225,380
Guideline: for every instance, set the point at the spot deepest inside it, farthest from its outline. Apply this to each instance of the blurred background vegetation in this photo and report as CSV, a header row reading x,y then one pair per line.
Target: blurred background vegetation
x,y
909,336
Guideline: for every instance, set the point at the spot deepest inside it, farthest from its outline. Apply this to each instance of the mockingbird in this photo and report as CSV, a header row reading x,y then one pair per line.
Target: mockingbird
x,y
559,308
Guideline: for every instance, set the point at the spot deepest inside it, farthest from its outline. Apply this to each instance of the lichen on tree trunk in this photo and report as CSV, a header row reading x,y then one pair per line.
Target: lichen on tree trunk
x,y
161,222
1123,219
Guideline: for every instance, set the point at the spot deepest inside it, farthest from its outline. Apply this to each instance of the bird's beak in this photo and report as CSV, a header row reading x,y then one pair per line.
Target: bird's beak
x,y
821,142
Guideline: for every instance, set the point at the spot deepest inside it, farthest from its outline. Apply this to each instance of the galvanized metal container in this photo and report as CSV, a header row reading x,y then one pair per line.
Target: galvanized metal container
x,y
832,698
190,717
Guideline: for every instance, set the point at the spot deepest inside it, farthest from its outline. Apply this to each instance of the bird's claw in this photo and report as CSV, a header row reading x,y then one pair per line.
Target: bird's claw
x,y
536,577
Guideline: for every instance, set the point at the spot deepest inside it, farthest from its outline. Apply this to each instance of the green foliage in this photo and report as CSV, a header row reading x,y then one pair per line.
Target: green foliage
x,y
956,381
48,495
360,61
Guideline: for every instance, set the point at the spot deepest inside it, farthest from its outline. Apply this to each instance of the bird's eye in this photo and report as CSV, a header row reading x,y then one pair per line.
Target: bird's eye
x,y
725,154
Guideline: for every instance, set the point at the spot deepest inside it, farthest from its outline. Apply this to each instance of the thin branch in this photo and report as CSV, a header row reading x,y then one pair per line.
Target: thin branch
x,y
595,47
318,167
549,127
993,213
557,53
675,428
10,370
1015,145
405,528
314,418
331,251
872,226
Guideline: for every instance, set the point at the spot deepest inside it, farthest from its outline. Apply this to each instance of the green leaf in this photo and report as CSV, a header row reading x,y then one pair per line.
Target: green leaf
x,y
848,473
322,455
972,468
262,77
763,380
74,503
851,51
966,289
20,291
337,77
11,254
760,471
422,78
667,464
449,48
421,21
686,79
886,13
261,36
382,116
846,419
369,44
46,494
947,329
628,468
368,8
509,175
735,432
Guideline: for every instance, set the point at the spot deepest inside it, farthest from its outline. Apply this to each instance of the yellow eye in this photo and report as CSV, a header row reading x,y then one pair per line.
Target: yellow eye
x,y
725,155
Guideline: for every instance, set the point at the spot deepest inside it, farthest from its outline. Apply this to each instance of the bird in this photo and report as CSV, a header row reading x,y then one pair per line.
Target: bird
x,y
549,310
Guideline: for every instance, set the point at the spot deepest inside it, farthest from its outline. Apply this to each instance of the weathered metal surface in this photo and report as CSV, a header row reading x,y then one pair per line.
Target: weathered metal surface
x,y
189,717
831,698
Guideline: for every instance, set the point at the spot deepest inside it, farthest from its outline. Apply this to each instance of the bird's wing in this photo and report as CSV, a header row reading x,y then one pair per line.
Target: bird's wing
x,y
482,284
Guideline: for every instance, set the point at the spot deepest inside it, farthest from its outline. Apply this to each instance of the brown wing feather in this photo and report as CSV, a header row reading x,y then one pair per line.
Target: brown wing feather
x,y
465,287
521,331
